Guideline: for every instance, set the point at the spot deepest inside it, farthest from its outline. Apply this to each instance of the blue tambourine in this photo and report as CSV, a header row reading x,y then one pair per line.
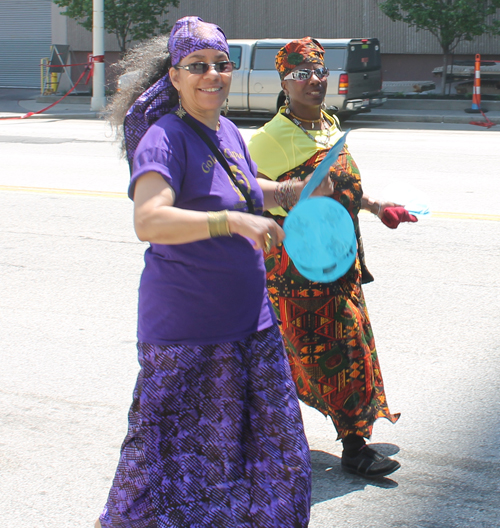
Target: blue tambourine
x,y
320,237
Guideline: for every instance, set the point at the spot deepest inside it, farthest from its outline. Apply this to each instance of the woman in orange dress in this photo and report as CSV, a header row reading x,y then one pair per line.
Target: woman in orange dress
x,y
326,327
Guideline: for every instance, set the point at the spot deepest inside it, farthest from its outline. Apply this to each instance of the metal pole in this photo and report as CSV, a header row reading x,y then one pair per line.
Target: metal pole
x,y
98,101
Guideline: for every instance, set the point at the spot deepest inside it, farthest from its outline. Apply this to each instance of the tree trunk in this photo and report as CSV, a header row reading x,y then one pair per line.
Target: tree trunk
x,y
445,72
121,39
123,45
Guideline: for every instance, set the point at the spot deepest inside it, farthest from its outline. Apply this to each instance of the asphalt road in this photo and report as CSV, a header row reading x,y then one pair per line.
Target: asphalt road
x,y
70,264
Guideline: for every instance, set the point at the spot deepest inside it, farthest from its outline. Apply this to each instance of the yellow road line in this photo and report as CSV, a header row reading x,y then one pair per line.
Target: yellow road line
x,y
467,216
460,216
76,192
107,194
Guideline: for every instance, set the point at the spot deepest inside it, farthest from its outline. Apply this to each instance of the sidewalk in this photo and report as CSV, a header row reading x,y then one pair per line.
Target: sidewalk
x,y
16,103
66,109
429,111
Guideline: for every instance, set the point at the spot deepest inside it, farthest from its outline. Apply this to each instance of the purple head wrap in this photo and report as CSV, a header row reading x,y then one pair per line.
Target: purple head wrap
x,y
188,34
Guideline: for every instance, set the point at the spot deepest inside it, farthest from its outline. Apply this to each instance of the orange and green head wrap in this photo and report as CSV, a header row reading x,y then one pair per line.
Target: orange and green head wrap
x,y
296,52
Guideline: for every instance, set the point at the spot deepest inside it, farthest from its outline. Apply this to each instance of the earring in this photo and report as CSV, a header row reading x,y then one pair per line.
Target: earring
x,y
287,104
180,111
323,106
226,109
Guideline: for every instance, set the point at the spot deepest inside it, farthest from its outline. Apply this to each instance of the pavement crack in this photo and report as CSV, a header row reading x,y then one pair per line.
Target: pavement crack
x,y
7,265
110,241
73,236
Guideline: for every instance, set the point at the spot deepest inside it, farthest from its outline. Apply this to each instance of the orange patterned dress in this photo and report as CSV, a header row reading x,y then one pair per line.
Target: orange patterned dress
x,y
326,327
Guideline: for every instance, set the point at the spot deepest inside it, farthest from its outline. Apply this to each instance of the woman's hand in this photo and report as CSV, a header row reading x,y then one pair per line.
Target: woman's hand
x,y
325,188
391,214
394,215
265,232
289,191
376,207
382,206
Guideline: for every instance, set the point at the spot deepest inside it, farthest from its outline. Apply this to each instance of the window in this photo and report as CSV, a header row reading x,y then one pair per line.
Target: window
x,y
363,56
265,58
235,55
335,58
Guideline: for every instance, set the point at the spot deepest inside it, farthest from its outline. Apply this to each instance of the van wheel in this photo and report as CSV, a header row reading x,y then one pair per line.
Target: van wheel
x,y
281,100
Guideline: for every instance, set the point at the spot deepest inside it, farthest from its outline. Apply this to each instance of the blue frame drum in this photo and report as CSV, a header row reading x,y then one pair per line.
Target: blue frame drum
x,y
320,237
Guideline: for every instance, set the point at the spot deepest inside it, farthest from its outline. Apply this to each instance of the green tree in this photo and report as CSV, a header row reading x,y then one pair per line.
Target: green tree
x,y
450,21
128,20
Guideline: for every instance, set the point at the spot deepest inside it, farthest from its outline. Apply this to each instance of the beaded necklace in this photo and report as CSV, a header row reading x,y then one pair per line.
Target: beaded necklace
x,y
316,139
312,121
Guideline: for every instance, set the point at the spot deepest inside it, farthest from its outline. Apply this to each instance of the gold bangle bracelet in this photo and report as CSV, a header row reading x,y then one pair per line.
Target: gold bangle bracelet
x,y
218,224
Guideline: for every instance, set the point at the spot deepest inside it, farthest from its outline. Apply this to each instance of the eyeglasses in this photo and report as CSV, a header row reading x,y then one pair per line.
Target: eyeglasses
x,y
303,75
200,68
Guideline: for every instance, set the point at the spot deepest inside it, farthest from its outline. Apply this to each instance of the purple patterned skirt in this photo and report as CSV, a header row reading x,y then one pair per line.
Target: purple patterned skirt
x,y
215,440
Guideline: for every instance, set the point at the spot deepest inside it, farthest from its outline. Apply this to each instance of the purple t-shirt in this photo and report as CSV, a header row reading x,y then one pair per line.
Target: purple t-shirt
x,y
214,290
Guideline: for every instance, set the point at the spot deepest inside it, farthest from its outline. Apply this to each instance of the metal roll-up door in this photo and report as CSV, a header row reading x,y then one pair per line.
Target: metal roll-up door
x,y
25,38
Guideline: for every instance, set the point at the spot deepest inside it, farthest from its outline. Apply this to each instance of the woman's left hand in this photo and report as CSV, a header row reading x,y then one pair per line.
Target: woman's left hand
x,y
383,206
393,216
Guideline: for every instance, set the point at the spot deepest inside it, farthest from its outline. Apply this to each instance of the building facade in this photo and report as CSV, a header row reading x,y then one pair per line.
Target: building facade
x,y
407,54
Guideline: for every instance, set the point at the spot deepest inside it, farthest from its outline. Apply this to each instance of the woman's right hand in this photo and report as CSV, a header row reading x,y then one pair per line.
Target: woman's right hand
x,y
265,232
325,188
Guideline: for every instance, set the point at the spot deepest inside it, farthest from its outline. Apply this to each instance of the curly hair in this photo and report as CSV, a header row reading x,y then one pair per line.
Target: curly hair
x,y
146,64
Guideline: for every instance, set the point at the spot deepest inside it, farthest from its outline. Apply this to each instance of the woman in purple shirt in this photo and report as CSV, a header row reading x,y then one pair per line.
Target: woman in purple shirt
x,y
215,433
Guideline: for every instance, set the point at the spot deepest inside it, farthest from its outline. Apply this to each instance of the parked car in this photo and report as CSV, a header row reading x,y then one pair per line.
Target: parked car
x,y
354,84
462,72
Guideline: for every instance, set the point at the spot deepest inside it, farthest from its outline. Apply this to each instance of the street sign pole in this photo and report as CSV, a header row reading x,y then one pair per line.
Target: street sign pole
x,y
98,101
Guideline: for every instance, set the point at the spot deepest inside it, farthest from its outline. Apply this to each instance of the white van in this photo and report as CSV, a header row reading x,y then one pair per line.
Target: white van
x,y
354,84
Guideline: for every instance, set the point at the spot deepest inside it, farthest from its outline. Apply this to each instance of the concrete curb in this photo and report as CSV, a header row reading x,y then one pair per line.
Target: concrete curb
x,y
423,118
369,117
67,115
436,105
80,115
71,99
395,111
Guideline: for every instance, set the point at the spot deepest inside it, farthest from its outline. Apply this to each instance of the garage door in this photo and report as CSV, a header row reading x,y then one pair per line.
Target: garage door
x,y
25,37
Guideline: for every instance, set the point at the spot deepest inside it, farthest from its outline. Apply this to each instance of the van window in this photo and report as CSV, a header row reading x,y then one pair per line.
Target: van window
x,y
335,58
235,55
265,58
363,56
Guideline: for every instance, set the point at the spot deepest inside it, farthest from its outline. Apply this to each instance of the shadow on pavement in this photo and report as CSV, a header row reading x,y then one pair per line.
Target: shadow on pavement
x,y
9,98
330,481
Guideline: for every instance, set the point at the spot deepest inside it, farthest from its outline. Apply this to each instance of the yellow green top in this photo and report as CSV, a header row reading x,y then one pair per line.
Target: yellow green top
x,y
280,146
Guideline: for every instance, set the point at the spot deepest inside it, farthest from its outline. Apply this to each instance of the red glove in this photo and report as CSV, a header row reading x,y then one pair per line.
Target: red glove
x,y
393,216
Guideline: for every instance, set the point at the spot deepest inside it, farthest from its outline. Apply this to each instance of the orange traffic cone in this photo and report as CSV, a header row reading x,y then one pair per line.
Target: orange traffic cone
x,y
476,91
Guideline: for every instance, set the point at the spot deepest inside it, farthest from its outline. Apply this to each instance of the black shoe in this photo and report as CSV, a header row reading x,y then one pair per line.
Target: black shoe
x,y
368,463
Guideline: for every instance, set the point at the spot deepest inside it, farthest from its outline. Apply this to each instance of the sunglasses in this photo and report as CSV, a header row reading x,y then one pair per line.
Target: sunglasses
x,y
200,68
303,75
